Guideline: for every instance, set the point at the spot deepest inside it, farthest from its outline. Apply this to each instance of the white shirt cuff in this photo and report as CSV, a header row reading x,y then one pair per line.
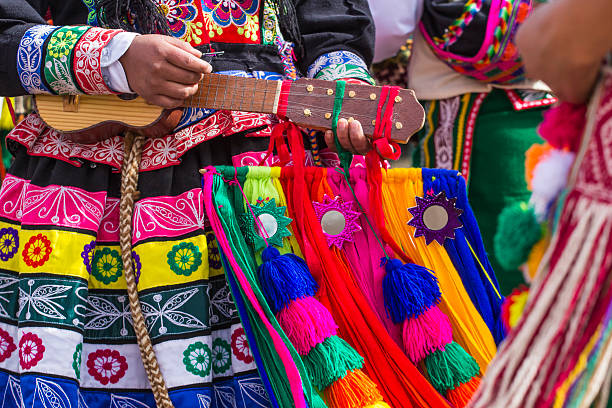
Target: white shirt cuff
x,y
112,70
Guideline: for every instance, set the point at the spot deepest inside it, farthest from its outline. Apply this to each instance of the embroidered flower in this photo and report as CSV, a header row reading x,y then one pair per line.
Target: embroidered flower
x,y
7,345
31,350
76,360
137,265
106,366
87,255
185,258
180,15
62,43
221,356
214,257
197,359
36,252
240,346
106,265
226,12
9,243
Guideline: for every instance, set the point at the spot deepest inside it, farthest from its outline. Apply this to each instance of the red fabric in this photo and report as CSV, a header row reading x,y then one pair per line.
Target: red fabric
x,y
284,98
382,129
87,55
401,384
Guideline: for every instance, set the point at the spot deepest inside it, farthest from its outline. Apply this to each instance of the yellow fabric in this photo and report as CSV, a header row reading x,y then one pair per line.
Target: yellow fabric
x,y
400,187
6,121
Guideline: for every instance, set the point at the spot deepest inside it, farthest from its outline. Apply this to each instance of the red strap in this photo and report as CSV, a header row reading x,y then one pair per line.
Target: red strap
x,y
382,129
284,98
277,139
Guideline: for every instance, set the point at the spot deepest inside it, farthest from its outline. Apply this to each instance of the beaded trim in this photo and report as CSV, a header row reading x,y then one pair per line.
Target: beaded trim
x,y
30,58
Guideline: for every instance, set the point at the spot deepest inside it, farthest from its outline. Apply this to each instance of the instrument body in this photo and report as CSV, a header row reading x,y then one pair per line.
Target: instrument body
x,y
92,118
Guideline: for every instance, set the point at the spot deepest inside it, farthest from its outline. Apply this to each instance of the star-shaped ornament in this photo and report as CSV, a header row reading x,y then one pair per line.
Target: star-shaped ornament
x,y
435,217
338,220
272,225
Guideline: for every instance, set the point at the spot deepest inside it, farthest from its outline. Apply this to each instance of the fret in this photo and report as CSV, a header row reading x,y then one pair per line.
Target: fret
x,y
265,96
242,97
230,89
254,93
200,87
205,83
216,86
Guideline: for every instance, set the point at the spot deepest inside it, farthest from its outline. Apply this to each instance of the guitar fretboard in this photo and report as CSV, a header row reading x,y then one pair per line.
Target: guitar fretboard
x,y
236,93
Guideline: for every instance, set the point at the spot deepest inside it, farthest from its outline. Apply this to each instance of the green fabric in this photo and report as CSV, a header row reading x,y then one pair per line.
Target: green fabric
x,y
225,201
497,166
501,138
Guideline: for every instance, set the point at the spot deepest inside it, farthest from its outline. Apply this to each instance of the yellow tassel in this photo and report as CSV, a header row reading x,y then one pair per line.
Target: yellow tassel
x,y
379,404
536,255
354,390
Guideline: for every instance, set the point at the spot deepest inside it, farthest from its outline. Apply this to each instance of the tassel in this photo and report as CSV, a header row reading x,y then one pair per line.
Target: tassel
x,y
284,278
408,290
379,404
426,333
354,390
329,361
461,396
317,401
450,367
307,323
517,232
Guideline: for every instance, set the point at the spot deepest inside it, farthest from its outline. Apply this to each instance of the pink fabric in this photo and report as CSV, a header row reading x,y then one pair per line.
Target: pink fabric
x,y
426,333
364,253
306,322
295,382
11,197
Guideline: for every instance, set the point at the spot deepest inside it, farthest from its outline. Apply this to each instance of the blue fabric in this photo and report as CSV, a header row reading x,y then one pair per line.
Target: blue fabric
x,y
246,324
38,391
31,56
481,292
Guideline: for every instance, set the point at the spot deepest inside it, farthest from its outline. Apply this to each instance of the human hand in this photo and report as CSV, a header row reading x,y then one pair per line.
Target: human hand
x,y
350,136
163,70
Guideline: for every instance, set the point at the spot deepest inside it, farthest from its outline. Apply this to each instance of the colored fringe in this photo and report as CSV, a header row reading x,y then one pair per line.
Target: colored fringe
x,y
354,390
408,290
329,361
426,333
517,232
451,367
284,278
306,323
461,396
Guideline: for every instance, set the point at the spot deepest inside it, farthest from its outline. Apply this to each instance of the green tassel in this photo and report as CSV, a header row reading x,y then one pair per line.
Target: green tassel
x,y
451,367
329,361
317,401
517,232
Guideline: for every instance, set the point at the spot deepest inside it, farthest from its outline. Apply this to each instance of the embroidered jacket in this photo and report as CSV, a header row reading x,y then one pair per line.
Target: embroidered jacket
x,y
65,58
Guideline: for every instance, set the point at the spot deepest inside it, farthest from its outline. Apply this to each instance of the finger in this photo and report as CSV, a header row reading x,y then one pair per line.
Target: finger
x,y
329,140
358,140
343,137
164,101
175,90
183,59
184,46
173,73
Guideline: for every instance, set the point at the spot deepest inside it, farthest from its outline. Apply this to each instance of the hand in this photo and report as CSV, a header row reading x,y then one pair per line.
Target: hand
x,y
163,70
350,136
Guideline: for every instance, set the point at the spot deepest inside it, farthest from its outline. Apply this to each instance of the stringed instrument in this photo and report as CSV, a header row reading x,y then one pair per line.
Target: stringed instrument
x,y
306,102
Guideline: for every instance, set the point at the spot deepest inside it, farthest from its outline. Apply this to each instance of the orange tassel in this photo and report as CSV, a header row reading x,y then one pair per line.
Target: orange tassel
x,y
354,390
533,156
460,396
523,12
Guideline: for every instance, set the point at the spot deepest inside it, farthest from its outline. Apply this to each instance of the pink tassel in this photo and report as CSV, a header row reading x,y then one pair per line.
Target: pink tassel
x,y
307,323
426,333
563,125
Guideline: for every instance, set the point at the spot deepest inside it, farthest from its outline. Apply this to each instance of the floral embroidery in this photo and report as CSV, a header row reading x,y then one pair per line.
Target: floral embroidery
x,y
106,366
226,12
58,61
250,29
37,251
61,44
334,59
7,345
197,359
31,350
181,15
221,356
240,346
214,257
137,265
184,258
30,58
76,360
87,255
9,243
107,266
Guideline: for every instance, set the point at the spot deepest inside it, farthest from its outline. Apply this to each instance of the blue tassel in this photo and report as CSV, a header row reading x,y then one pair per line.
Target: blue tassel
x,y
408,290
284,278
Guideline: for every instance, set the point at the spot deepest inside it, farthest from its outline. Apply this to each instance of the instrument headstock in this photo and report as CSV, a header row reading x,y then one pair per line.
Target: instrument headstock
x,y
310,104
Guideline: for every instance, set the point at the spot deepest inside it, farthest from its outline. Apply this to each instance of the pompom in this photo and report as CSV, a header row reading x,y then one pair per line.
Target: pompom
x,y
329,361
284,278
408,290
517,232
451,367
549,179
426,333
459,397
563,125
535,256
533,156
512,308
306,322
355,389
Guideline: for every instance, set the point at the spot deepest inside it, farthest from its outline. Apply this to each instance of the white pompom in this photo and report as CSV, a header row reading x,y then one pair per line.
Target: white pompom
x,y
549,179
